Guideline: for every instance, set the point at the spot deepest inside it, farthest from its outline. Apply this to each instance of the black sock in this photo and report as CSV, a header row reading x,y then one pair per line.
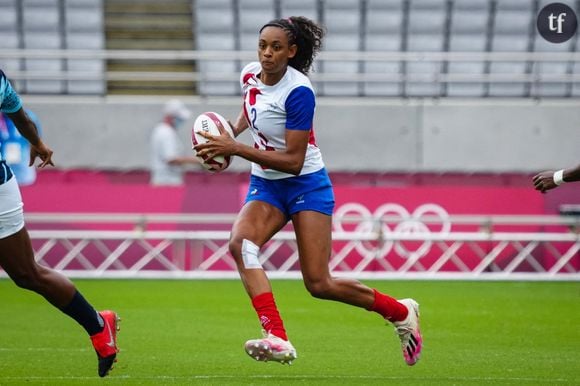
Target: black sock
x,y
85,315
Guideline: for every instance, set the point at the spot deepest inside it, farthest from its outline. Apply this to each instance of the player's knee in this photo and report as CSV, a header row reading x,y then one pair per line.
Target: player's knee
x,y
235,247
321,289
245,253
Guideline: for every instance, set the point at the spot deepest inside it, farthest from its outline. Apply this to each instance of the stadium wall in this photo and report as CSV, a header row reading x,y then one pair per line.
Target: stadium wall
x,y
447,246
356,134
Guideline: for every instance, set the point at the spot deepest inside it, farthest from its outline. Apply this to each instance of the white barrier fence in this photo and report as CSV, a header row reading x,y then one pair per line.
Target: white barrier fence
x,y
142,246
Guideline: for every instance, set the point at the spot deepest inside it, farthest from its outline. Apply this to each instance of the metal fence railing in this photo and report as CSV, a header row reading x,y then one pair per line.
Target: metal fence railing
x,y
426,247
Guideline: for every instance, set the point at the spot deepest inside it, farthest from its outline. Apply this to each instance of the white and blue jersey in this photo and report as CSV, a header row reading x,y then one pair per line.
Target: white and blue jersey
x,y
10,102
271,110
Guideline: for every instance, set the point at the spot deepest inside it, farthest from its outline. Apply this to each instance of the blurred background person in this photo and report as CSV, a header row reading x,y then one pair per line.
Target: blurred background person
x,y
16,149
167,151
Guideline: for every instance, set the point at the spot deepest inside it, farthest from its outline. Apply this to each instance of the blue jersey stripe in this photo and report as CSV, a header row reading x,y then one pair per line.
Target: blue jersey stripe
x,y
300,109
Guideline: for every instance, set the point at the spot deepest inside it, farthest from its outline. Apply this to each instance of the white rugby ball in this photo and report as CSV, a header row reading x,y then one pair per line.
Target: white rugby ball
x,y
214,124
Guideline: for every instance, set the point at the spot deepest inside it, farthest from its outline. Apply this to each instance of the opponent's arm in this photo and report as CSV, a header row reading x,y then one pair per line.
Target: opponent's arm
x,y
550,179
28,129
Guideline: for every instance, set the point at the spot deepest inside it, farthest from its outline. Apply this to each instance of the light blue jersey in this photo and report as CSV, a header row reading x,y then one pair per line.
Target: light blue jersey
x,y
9,101
15,149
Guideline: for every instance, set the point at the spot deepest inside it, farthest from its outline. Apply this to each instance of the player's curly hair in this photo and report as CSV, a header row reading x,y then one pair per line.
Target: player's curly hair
x,y
306,34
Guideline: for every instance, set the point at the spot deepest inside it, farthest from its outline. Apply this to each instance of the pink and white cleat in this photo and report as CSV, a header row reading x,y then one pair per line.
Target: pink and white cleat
x,y
409,332
271,348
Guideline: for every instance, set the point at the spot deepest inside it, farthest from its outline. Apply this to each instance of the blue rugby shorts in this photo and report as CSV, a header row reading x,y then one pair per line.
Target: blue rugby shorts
x,y
294,194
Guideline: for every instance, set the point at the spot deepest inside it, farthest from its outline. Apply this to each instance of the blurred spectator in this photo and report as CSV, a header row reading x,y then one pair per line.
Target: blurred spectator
x,y
16,149
167,151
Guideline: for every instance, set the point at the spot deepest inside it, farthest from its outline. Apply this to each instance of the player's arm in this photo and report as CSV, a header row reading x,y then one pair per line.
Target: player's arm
x,y
572,174
289,160
27,128
240,125
550,179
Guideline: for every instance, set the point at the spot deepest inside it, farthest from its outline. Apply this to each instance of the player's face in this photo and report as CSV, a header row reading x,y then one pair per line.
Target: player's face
x,y
274,50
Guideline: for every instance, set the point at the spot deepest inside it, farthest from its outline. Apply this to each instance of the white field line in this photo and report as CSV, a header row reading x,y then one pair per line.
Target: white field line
x,y
294,377
34,349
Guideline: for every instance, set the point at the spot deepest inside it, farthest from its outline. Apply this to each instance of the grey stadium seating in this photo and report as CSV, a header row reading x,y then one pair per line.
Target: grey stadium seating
x,y
373,26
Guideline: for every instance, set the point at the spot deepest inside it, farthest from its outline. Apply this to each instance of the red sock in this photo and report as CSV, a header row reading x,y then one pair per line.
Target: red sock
x,y
267,311
388,307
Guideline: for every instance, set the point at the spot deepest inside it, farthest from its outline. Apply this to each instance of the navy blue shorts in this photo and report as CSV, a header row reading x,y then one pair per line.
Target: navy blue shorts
x,y
294,194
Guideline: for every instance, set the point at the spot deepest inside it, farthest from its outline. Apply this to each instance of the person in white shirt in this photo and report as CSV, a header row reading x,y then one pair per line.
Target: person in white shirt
x,y
167,151
289,182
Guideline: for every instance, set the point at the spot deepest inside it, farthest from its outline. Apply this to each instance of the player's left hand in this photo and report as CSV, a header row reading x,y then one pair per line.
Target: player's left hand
x,y
216,145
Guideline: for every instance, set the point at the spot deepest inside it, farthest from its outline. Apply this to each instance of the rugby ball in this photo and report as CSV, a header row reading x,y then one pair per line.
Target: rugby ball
x,y
214,124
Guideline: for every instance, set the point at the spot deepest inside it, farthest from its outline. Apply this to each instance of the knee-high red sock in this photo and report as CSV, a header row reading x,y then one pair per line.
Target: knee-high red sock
x,y
267,311
388,307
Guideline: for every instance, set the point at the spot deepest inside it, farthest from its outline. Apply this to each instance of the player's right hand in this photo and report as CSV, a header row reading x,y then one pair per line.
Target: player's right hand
x,y
43,152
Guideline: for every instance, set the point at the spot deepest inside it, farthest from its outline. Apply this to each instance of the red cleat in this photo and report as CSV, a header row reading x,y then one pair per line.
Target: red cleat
x,y
105,342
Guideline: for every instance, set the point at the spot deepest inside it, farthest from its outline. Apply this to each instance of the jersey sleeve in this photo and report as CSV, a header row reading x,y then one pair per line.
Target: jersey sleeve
x,y
300,109
9,100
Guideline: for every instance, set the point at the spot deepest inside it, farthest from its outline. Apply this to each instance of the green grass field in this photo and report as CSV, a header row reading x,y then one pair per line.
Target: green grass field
x,y
192,332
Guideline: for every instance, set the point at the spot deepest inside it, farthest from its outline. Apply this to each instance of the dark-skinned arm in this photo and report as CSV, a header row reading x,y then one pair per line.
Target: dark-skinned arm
x,y
289,161
28,130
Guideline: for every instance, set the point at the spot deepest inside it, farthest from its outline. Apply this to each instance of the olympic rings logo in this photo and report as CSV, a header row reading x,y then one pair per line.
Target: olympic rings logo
x,y
409,223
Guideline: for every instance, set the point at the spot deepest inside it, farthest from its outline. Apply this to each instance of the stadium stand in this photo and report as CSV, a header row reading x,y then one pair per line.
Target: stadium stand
x,y
138,25
456,26
9,26
468,32
84,30
214,21
392,30
382,32
42,30
426,32
343,23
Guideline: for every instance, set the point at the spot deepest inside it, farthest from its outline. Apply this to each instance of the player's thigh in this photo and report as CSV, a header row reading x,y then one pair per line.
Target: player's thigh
x,y
314,239
15,249
258,221
16,254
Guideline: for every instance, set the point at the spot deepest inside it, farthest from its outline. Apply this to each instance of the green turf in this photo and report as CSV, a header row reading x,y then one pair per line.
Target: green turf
x,y
192,332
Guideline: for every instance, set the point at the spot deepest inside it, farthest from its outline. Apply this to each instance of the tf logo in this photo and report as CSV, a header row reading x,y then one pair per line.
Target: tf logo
x,y
557,22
